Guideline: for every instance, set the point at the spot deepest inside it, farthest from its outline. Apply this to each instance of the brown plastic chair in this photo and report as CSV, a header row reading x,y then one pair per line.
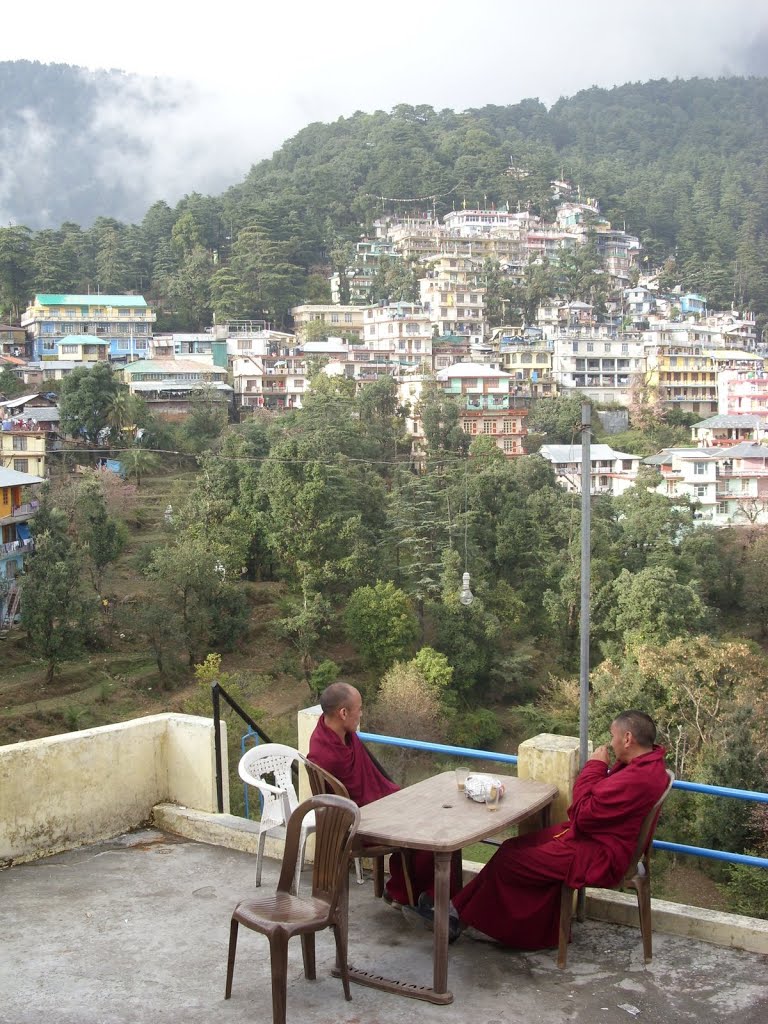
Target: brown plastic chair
x,y
321,781
284,915
638,877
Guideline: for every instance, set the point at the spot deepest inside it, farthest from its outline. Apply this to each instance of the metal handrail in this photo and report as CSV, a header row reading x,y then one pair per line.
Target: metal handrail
x,y
217,692
659,844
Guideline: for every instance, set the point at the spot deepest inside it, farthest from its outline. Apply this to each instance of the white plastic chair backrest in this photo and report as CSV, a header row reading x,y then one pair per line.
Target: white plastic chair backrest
x,y
275,759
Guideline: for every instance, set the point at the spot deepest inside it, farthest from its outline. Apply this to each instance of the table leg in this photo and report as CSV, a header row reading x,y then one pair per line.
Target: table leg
x,y
442,899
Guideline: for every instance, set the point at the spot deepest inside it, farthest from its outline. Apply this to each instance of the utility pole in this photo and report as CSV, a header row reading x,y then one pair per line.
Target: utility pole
x,y
586,488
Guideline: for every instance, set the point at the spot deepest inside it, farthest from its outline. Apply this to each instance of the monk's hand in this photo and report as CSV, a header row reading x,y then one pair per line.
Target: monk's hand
x,y
601,753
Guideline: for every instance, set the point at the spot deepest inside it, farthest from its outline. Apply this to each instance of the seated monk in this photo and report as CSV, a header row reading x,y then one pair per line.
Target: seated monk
x,y
336,747
515,899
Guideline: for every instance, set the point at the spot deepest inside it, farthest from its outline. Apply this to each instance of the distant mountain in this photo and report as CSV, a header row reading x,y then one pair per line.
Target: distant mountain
x,y
79,144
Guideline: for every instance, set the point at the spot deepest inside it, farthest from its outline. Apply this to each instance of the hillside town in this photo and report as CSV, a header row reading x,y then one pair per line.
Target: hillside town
x,y
645,347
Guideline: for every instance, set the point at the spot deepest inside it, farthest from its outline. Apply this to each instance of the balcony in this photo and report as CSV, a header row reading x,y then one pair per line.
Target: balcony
x,y
16,547
135,928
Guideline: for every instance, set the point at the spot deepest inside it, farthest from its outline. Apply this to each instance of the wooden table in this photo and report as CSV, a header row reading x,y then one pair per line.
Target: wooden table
x,y
433,815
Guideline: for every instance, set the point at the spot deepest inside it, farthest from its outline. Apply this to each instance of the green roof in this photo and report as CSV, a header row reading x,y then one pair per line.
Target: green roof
x,y
83,339
90,300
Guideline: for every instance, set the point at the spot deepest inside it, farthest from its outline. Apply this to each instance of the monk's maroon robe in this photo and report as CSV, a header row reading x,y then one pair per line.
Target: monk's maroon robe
x,y
352,765
516,897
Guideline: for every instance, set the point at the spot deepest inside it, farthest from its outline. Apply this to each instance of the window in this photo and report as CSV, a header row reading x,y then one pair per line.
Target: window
x,y
590,346
69,350
334,318
372,329
19,443
699,468
347,318
390,328
486,426
411,328
509,444
607,346
625,349
626,464
508,426
574,346
701,490
21,465
722,508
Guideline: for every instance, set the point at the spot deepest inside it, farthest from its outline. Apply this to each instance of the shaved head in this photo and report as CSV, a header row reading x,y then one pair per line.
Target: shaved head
x,y
642,726
337,696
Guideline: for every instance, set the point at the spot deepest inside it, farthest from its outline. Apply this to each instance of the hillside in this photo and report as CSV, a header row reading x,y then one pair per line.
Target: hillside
x,y
682,164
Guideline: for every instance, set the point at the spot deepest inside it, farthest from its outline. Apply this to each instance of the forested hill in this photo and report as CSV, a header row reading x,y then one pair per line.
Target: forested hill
x,y
684,164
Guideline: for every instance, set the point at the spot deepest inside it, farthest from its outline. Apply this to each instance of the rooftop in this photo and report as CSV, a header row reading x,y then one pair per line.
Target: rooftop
x,y
136,929
48,299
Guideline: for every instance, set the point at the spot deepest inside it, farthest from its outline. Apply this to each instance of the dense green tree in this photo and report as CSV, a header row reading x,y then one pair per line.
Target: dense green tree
x,y
10,385
85,399
381,623
651,606
189,580
100,534
16,270
55,611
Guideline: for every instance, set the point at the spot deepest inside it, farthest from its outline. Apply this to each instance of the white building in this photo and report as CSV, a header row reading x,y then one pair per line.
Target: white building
x,y
611,472
728,485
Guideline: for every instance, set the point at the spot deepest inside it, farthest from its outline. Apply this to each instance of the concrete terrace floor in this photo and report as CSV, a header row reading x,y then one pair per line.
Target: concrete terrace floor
x,y
136,930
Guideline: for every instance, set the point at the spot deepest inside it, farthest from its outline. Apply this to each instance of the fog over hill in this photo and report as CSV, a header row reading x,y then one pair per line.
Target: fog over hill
x,y
80,144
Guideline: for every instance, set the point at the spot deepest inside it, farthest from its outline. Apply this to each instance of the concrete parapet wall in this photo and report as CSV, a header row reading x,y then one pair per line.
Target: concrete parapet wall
x,y
554,759
226,830
733,930
62,791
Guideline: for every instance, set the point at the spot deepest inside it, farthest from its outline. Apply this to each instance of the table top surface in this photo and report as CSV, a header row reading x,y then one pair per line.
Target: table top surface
x,y
435,815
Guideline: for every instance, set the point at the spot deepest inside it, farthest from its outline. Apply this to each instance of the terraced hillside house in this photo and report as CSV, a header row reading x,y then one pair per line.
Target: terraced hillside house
x,y
17,507
88,327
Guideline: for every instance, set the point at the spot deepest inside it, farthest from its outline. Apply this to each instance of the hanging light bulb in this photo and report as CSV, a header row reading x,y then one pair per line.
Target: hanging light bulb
x,y
466,596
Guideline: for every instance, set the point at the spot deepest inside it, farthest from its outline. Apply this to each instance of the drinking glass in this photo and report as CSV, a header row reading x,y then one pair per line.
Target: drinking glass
x,y
461,777
492,800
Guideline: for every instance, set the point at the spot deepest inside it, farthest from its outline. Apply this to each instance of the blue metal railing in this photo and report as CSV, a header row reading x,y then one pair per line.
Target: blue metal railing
x,y
247,740
659,844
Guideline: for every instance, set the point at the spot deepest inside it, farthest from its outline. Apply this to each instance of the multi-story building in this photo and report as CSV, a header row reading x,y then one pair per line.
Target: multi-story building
x,y
122,324
22,446
530,366
488,408
370,255
401,329
346,320
610,472
13,342
726,431
685,373
16,510
452,295
743,393
598,364
728,486
274,379
167,385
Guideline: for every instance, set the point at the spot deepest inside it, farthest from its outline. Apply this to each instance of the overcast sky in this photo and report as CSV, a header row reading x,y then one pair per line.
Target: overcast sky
x,y
261,71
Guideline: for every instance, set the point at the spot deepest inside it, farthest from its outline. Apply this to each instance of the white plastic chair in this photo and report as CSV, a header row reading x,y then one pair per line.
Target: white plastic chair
x,y
279,799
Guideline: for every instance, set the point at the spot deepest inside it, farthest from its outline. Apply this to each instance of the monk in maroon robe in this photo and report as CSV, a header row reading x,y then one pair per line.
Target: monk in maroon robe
x,y
515,899
336,747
